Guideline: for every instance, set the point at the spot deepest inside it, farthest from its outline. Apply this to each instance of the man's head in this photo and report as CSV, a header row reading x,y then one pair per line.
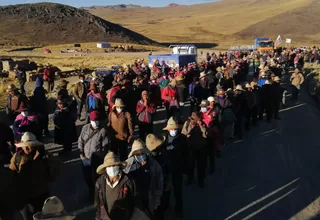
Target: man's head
x,y
145,95
81,78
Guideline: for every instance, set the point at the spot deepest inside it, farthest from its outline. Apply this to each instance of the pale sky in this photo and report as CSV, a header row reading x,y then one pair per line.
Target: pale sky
x,y
79,3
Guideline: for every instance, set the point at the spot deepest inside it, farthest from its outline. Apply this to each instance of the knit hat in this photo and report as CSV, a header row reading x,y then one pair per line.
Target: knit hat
x,y
95,116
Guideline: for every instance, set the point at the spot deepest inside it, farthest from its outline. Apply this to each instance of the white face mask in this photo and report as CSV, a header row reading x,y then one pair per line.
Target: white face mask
x,y
141,158
173,133
204,110
94,124
113,171
119,110
24,114
81,80
153,81
164,77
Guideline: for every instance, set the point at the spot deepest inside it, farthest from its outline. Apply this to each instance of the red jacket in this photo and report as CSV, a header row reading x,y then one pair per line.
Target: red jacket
x,y
168,94
145,112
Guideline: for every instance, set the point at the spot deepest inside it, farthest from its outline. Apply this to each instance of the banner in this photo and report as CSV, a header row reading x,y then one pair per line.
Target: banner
x,y
288,41
278,41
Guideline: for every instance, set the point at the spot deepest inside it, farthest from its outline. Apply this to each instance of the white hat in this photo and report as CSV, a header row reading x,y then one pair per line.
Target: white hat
x,y
239,87
211,99
267,82
277,78
248,85
53,209
30,140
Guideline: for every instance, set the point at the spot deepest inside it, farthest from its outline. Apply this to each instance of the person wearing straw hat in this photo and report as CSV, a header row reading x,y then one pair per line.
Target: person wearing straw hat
x,y
240,107
92,143
147,174
176,152
65,132
251,102
169,96
155,145
296,80
277,93
26,121
145,112
31,164
53,209
196,132
14,100
121,127
266,101
116,193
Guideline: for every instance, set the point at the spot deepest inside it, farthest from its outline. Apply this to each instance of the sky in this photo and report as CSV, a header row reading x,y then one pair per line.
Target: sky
x,y
79,3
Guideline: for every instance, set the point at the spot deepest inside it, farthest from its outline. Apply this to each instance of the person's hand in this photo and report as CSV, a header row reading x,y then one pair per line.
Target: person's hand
x,y
145,102
173,98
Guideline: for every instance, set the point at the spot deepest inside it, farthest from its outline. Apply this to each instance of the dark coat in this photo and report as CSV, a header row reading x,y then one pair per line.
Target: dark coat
x,y
65,129
277,91
266,95
39,101
240,105
5,137
122,208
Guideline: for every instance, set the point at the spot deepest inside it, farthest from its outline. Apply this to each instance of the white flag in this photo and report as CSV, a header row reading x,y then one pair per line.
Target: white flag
x,y
278,41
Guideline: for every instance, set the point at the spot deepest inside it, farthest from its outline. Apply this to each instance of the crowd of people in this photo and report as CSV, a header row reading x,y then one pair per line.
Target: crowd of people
x,y
132,176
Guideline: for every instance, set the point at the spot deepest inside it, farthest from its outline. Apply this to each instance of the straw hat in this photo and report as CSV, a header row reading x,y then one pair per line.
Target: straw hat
x,y
94,74
29,140
219,69
118,103
171,125
204,103
262,74
179,78
239,87
276,79
138,147
11,88
153,142
248,85
53,209
173,83
202,74
111,159
267,82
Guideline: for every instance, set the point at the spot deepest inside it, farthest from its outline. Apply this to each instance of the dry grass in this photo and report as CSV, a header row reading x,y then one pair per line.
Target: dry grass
x,y
220,22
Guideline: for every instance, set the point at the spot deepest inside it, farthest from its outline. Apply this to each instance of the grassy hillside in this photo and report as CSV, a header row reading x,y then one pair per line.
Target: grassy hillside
x,y
223,22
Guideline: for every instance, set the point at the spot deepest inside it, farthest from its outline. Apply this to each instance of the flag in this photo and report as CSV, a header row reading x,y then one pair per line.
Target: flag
x,y
278,41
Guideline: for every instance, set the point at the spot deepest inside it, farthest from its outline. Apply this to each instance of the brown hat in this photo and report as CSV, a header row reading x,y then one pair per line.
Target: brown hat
x,y
138,147
111,159
118,103
153,142
195,116
171,125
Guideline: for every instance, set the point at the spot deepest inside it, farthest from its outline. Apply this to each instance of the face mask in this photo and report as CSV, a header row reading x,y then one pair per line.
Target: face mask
x,y
141,158
164,77
153,81
95,124
173,133
113,171
81,80
24,114
203,110
119,110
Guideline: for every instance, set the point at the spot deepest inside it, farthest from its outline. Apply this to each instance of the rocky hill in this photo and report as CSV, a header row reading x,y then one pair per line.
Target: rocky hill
x,y
120,6
49,23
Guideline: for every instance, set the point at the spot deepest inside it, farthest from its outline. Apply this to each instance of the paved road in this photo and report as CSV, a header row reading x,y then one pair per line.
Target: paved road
x,y
271,174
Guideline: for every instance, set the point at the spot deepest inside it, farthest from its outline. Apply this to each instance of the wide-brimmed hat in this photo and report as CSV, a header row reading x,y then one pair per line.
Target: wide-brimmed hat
x,y
202,74
29,140
204,103
11,88
171,125
248,86
195,116
94,74
211,99
277,78
138,147
267,82
179,78
118,103
111,159
239,87
262,74
219,69
173,83
153,141
63,83
53,209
